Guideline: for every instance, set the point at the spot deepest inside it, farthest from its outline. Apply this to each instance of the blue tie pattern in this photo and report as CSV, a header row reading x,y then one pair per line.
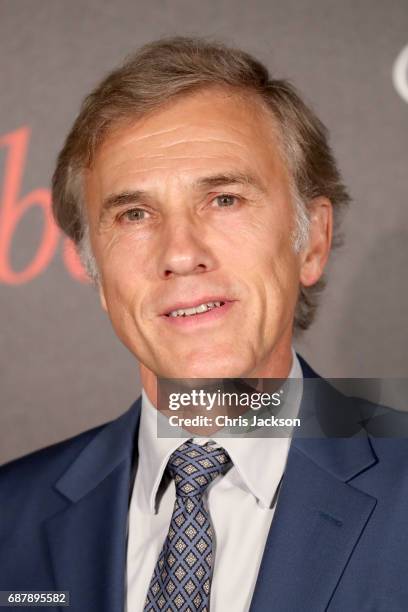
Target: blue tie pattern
x,y
181,580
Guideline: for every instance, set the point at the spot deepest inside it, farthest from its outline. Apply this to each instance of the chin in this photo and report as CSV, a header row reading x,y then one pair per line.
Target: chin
x,y
209,368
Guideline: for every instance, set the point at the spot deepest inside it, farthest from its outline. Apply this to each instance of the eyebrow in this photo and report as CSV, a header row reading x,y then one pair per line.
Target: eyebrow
x,y
232,178
124,198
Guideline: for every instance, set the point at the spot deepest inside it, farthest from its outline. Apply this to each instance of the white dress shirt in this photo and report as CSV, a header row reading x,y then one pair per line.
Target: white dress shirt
x,y
241,505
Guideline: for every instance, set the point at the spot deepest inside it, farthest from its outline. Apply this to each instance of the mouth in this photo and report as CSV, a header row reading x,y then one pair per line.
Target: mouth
x,y
192,311
202,310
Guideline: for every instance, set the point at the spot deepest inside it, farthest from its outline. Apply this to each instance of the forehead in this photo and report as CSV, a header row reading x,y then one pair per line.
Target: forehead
x,y
212,128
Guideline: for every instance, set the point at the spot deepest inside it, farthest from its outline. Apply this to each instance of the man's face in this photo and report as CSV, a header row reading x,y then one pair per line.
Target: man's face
x,y
191,207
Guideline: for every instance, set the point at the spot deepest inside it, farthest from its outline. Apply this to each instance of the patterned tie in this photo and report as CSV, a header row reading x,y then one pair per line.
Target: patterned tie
x,y
181,580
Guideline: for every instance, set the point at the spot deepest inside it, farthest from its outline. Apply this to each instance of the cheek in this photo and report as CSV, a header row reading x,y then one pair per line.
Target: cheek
x,y
276,273
267,250
122,292
123,265
247,240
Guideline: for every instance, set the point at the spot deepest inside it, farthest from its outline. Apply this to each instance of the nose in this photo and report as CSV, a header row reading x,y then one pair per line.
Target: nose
x,y
183,250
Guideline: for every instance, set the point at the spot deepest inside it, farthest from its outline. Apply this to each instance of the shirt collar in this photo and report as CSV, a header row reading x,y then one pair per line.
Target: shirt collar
x,y
246,453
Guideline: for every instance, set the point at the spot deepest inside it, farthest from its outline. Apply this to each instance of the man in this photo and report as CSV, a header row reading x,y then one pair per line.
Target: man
x,y
203,197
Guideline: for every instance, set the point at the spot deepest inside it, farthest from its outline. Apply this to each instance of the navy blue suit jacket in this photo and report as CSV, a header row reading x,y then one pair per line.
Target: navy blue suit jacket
x,y
338,540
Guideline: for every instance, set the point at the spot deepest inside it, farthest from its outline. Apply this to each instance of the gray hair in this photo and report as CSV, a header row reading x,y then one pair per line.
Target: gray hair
x,y
165,70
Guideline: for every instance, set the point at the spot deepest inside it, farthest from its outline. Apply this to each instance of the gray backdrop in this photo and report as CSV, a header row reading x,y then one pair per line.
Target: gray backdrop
x,y
62,369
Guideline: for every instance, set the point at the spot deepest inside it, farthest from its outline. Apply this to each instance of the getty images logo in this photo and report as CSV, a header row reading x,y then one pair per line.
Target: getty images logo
x,y
400,73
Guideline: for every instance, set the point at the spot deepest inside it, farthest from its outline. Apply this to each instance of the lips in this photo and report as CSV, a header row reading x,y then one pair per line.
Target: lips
x,y
201,309
194,303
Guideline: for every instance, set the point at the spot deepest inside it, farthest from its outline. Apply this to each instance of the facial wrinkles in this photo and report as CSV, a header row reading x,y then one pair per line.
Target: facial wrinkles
x,y
144,164
192,133
133,315
124,134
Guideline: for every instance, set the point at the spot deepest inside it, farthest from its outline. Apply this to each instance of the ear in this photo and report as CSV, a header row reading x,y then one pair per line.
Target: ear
x,y
315,254
102,296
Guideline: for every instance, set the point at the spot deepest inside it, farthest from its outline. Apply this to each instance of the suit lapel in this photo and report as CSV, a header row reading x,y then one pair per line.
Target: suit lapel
x,y
318,521
87,540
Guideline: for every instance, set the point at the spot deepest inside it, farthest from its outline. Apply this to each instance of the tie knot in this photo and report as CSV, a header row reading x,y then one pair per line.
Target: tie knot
x,y
194,467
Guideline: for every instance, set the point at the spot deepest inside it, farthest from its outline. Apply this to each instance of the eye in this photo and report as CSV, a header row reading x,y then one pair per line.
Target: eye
x,y
225,199
134,214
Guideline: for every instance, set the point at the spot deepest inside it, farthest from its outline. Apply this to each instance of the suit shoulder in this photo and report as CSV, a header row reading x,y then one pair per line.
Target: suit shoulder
x,y
45,463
